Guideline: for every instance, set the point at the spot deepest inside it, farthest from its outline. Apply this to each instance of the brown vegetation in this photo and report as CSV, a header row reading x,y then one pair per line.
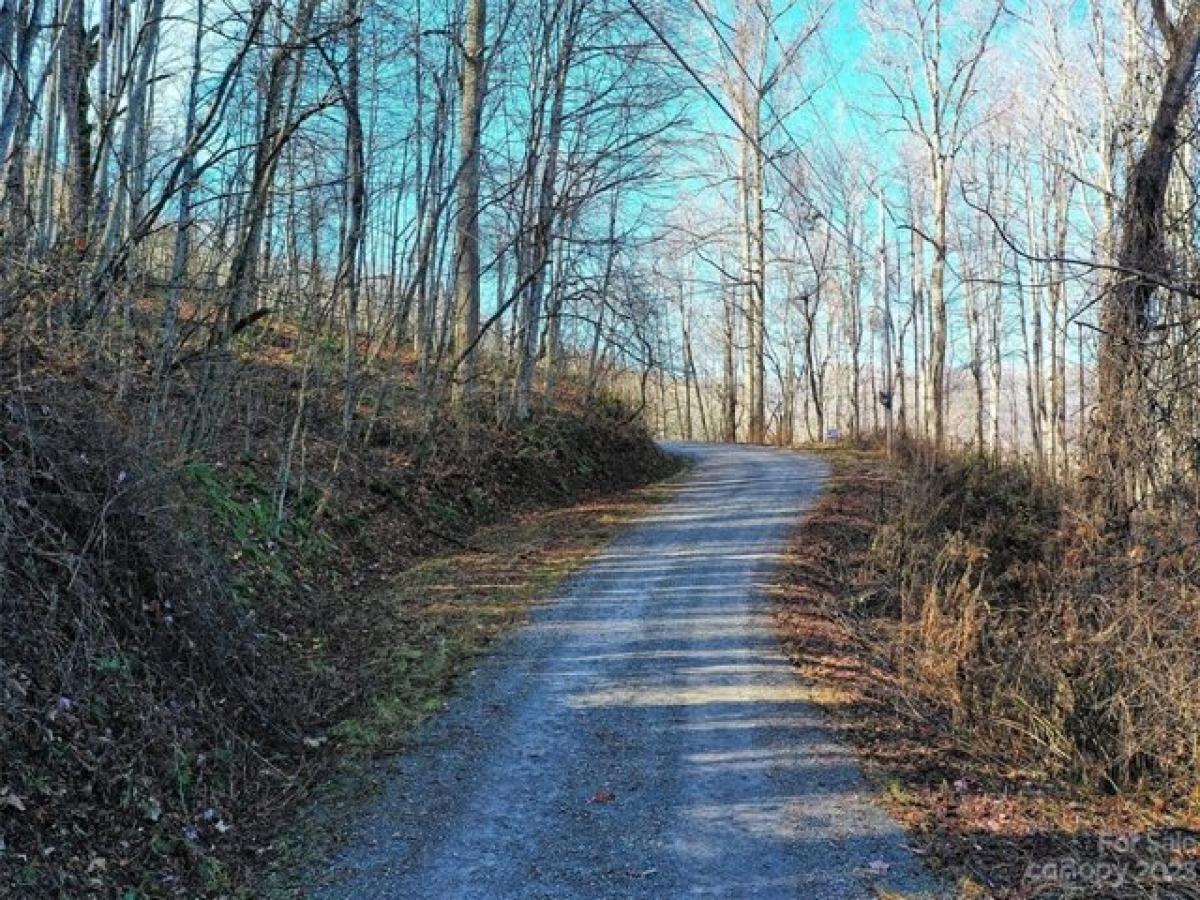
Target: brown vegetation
x,y
1025,688
180,636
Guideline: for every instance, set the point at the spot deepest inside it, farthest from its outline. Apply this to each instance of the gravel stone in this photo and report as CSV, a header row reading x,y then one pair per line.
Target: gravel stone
x,y
643,736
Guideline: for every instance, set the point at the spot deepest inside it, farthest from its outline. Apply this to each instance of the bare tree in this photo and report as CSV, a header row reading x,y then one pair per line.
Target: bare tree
x,y
1128,313
933,83
474,88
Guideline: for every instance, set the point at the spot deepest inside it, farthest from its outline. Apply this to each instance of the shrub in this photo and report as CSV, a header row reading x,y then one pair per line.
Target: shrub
x,y
1050,647
133,683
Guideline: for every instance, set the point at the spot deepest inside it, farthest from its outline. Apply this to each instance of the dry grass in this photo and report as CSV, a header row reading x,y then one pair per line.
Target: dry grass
x,y
440,614
1020,689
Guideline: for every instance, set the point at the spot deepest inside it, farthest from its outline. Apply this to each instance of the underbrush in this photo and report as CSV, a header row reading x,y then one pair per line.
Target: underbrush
x,y
1026,689
181,635
1054,648
138,693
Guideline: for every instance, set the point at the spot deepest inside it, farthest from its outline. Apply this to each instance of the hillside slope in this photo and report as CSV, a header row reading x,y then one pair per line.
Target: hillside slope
x,y
181,633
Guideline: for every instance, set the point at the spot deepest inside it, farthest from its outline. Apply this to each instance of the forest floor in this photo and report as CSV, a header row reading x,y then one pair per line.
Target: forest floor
x,y
991,827
642,736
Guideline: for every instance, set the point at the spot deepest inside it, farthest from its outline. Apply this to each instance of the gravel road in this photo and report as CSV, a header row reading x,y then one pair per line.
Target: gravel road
x,y
643,737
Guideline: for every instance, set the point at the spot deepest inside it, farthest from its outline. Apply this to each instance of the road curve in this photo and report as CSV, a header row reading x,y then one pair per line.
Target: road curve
x,y
643,736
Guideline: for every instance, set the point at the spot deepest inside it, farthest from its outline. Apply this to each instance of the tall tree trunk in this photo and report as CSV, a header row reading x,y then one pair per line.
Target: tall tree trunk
x,y
917,276
466,280
544,224
1125,439
348,277
729,358
996,344
888,398
935,378
75,61
854,315
753,263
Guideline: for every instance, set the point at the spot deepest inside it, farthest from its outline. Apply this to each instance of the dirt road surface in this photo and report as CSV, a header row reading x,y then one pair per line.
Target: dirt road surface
x,y
643,736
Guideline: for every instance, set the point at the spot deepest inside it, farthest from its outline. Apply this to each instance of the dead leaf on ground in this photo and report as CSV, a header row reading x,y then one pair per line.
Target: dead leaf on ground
x,y
11,801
